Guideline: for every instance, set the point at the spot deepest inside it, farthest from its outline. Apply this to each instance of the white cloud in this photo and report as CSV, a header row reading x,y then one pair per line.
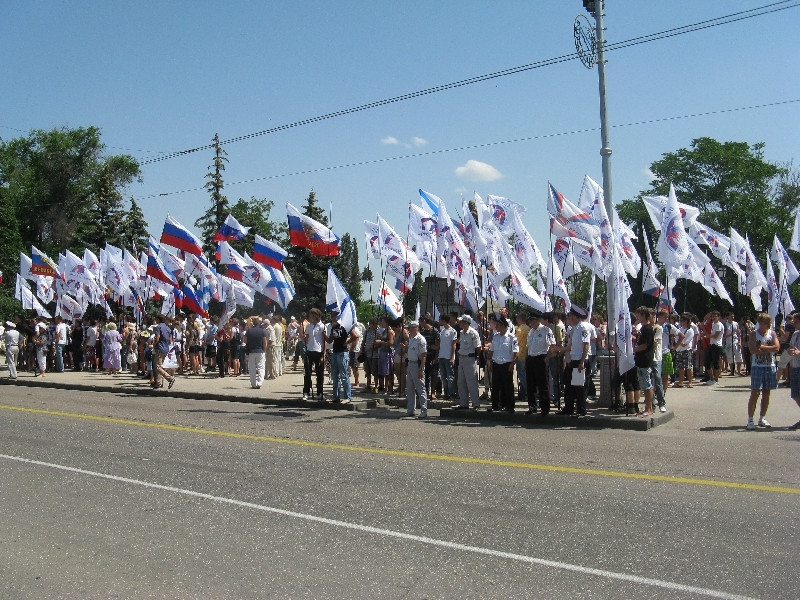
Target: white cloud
x,y
418,141
475,170
389,140
650,175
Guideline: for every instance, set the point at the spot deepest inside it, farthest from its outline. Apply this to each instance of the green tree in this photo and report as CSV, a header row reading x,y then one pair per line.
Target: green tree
x,y
52,184
732,185
105,216
346,266
52,180
217,212
134,229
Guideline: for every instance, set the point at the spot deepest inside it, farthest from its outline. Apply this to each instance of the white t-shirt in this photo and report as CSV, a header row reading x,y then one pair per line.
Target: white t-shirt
x,y
658,345
592,338
314,336
717,329
91,336
447,336
62,334
358,328
688,339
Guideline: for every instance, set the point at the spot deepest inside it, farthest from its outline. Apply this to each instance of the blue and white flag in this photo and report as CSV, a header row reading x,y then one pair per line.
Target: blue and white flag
x,y
337,298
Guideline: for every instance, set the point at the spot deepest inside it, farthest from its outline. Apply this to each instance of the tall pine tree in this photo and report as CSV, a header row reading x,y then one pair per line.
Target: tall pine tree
x,y
211,220
134,229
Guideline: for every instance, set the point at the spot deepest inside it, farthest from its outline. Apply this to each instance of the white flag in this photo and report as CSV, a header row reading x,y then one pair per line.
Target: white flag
x,y
794,243
773,293
337,298
787,271
672,246
388,300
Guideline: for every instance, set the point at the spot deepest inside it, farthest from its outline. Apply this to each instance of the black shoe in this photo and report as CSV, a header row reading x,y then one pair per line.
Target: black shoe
x,y
530,411
459,407
171,383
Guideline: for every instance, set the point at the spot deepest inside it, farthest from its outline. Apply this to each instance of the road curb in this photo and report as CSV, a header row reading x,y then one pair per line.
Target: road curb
x,y
355,405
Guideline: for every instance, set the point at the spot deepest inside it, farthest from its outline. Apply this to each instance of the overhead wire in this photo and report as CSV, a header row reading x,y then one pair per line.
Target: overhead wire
x,y
675,31
484,145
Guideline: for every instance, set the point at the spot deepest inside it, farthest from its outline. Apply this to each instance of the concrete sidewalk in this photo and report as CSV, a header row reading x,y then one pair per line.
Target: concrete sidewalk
x,y
286,390
722,406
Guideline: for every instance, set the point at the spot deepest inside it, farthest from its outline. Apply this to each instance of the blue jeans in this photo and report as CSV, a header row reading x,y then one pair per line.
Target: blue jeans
x,y
658,382
60,358
446,375
340,361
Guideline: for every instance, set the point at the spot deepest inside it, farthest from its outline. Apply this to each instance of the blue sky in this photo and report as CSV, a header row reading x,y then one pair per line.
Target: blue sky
x,y
159,77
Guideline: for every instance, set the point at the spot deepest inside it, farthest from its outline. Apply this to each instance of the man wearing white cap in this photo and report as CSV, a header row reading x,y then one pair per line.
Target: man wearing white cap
x,y
11,340
469,344
577,351
415,373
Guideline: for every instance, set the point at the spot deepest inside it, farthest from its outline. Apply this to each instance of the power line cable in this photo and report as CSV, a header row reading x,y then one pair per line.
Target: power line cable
x,y
717,21
485,145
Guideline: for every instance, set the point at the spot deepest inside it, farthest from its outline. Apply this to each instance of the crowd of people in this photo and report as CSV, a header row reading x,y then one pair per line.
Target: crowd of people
x,y
542,360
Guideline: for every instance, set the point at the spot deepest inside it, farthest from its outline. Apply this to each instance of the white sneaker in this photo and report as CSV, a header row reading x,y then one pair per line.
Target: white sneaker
x,y
662,408
305,396
750,425
762,422
710,382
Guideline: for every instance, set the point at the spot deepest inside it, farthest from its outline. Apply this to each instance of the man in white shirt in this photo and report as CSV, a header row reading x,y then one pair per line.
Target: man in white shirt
x,y
468,348
577,353
61,340
503,356
90,344
315,353
716,339
541,342
415,374
733,345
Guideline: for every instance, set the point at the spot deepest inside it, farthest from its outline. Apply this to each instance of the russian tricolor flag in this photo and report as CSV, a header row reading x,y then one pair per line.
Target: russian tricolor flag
x,y
191,301
156,268
308,233
401,286
230,231
41,264
268,253
177,236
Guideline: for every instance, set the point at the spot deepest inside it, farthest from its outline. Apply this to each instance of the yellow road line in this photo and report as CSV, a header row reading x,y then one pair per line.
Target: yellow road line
x,y
421,455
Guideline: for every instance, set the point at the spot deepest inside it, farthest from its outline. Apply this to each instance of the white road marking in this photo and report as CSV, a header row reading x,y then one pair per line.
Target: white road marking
x,y
400,535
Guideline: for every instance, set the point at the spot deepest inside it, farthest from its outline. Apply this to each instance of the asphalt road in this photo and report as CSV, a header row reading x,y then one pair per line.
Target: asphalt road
x,y
116,496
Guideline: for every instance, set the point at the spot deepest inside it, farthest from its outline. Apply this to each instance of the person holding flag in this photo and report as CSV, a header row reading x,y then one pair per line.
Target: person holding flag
x,y
340,338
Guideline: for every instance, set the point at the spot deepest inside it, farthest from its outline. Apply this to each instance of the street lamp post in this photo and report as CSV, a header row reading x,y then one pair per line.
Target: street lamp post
x,y
590,44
